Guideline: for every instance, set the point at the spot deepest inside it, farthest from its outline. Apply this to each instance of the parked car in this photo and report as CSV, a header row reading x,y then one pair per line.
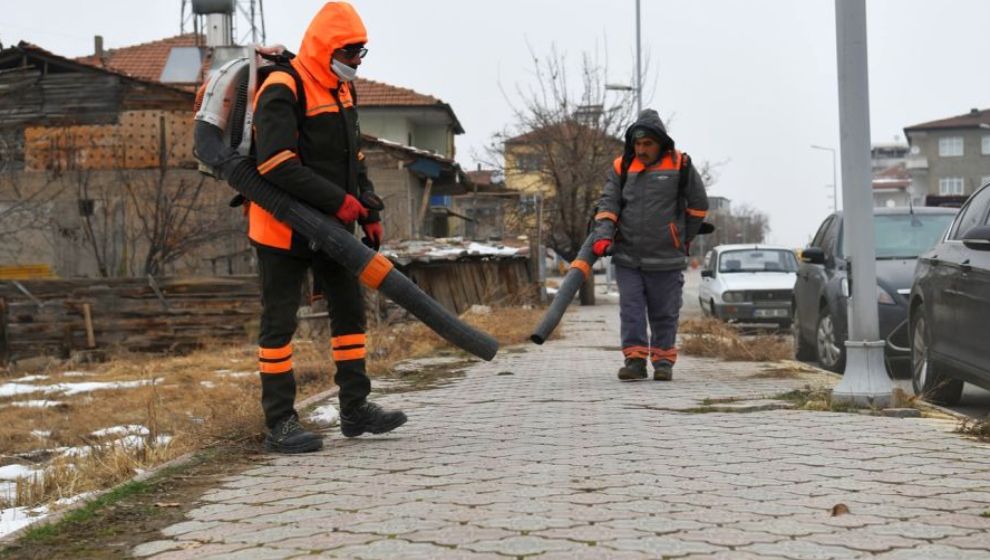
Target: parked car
x,y
748,283
950,307
821,293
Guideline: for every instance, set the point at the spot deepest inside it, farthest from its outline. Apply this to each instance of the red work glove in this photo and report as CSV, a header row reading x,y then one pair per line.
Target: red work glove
x,y
374,233
601,247
350,210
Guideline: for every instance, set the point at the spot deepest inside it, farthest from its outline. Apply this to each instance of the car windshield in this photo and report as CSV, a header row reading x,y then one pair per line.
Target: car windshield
x,y
757,260
905,236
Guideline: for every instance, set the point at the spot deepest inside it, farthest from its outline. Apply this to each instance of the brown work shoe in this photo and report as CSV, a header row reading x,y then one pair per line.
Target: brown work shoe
x,y
663,370
634,370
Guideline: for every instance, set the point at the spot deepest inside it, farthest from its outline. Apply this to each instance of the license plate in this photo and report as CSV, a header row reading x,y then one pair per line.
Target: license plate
x,y
770,313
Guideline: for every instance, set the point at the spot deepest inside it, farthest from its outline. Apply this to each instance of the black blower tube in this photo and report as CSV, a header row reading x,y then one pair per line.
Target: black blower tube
x,y
328,235
579,272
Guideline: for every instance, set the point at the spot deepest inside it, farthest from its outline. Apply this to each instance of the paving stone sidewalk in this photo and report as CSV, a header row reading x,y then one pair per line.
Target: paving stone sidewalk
x,y
544,454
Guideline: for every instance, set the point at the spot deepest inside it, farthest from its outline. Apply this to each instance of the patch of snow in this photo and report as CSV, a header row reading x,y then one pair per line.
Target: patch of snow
x,y
42,434
76,374
12,519
37,404
231,373
138,442
551,291
30,378
121,431
325,415
482,249
208,384
13,472
12,389
88,387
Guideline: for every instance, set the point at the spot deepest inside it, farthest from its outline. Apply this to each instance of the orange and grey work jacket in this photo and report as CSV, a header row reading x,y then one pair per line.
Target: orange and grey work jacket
x,y
651,224
316,160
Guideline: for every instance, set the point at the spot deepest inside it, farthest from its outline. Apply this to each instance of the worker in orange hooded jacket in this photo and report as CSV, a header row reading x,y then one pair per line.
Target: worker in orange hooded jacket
x,y
306,143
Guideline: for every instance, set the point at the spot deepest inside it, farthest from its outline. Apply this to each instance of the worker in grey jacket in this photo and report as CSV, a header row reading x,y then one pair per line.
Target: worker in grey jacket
x,y
653,206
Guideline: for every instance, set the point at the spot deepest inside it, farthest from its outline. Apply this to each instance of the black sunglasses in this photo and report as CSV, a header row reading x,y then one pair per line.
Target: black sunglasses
x,y
353,52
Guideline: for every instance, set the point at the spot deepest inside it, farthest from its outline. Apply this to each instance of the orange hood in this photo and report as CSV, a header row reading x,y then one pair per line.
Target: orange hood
x,y
337,24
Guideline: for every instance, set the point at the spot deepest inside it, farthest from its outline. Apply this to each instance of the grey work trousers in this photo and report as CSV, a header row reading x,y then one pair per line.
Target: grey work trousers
x,y
653,296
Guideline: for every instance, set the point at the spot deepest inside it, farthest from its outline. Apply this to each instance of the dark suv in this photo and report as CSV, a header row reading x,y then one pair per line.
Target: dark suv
x,y
821,292
950,307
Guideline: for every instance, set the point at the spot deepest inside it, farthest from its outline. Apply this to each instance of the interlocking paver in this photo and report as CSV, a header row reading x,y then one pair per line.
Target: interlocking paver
x,y
561,460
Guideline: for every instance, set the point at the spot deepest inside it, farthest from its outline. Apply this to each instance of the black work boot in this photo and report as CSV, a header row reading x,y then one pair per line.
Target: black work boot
x,y
370,417
288,436
634,370
663,370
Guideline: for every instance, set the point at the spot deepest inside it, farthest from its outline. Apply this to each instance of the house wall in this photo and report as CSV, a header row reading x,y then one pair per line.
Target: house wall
x,y
56,234
386,126
435,138
927,167
402,127
401,191
890,199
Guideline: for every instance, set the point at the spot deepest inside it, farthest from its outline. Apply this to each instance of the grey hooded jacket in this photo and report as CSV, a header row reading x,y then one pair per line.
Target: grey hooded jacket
x,y
650,224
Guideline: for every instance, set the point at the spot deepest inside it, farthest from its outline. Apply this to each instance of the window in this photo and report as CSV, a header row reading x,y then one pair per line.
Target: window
x,y
819,239
757,260
951,186
950,147
986,145
905,236
972,214
530,162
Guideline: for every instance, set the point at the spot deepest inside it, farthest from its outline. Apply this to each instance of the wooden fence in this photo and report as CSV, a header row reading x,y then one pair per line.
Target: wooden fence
x,y
53,317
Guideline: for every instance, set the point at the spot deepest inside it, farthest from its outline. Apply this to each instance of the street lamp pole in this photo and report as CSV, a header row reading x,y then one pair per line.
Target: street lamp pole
x,y
865,382
835,187
639,66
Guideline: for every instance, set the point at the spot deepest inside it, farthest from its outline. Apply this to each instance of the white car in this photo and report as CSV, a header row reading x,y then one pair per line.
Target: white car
x,y
748,284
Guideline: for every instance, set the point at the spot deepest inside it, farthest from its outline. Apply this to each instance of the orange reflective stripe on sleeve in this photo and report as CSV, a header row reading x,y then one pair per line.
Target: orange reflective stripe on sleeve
x,y
375,271
604,215
584,267
351,354
275,353
275,161
348,340
674,235
697,213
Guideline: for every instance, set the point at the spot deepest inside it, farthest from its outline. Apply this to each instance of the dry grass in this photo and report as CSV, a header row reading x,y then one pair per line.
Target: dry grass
x,y
978,428
711,338
207,398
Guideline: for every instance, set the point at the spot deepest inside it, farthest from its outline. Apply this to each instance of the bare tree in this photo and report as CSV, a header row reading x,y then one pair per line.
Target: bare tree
x,y
563,140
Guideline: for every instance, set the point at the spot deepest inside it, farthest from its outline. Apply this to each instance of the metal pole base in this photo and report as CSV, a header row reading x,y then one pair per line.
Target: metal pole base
x,y
865,382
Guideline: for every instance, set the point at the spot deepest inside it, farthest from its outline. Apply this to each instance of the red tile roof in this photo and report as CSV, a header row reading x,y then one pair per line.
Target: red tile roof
x,y
145,61
371,92
973,119
895,177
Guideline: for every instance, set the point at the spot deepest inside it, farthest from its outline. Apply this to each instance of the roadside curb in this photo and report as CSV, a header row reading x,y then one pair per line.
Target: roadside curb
x,y
922,405
179,461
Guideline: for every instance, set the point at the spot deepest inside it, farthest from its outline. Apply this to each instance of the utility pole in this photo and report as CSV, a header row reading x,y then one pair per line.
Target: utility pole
x,y
639,67
865,382
835,186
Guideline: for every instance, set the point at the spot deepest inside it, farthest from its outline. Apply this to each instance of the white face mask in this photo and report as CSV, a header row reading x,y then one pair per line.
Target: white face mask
x,y
345,72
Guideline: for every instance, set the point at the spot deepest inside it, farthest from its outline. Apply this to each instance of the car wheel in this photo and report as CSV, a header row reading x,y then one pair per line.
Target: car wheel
x,y
711,308
927,380
802,350
829,343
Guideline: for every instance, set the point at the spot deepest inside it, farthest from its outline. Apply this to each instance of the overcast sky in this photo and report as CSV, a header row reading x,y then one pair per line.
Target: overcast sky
x,y
750,83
